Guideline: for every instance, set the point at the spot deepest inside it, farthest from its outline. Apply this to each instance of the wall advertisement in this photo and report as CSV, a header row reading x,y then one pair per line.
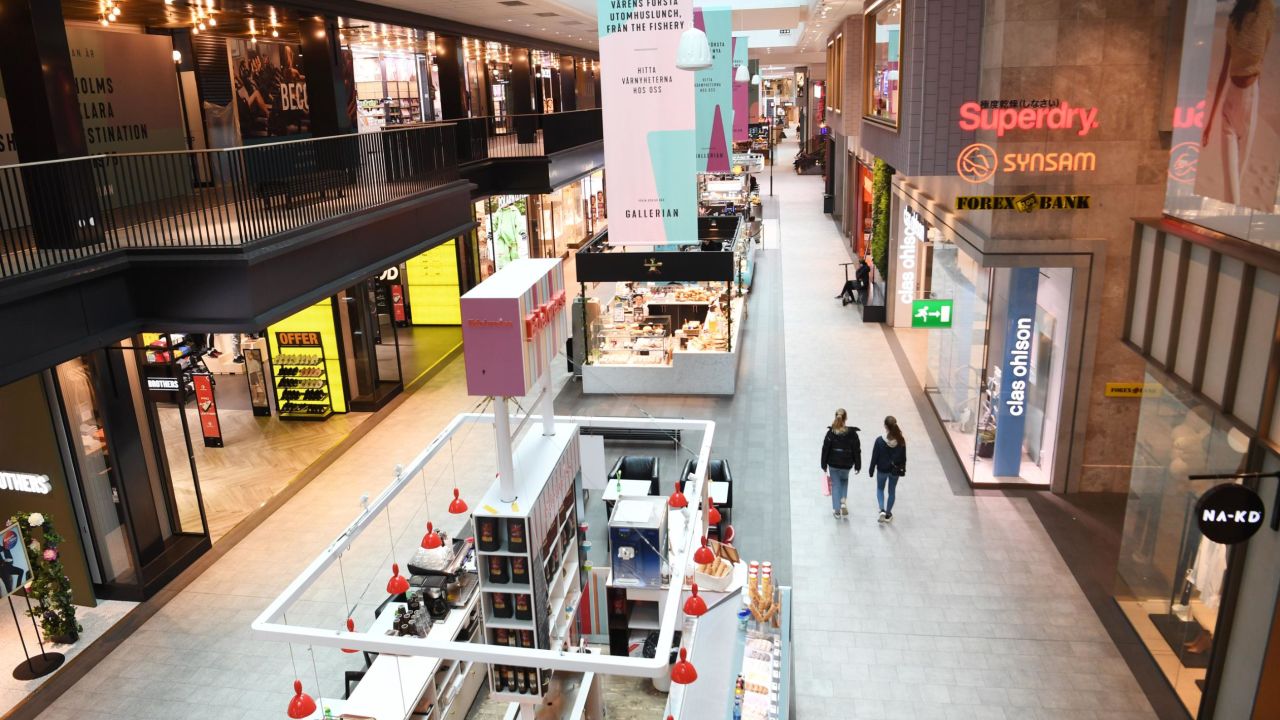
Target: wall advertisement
x,y
713,90
649,122
741,118
270,89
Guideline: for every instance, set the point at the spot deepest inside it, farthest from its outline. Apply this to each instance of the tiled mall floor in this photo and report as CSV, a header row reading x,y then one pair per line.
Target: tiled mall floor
x,y
962,608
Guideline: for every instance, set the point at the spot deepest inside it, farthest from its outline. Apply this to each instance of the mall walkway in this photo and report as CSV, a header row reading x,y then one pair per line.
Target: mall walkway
x,y
961,608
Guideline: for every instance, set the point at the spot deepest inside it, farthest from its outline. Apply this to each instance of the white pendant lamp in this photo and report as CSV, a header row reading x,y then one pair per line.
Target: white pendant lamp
x,y
695,50
742,75
755,79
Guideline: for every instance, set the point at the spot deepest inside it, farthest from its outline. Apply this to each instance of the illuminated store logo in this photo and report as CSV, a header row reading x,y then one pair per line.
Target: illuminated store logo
x,y
1063,116
1183,160
979,162
1189,117
653,265
1023,203
542,316
913,231
1019,363
25,482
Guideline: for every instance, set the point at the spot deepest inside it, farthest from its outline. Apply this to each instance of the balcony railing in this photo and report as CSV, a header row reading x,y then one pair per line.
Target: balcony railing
x,y
57,212
532,135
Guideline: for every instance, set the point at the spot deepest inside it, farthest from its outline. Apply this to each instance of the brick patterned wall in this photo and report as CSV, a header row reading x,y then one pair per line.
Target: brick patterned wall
x,y
942,52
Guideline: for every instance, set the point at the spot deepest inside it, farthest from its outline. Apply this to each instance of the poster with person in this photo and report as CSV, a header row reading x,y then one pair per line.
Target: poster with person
x,y
1239,159
270,89
15,569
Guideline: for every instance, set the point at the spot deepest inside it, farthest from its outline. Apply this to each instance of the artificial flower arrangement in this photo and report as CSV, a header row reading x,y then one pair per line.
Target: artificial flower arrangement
x,y
49,588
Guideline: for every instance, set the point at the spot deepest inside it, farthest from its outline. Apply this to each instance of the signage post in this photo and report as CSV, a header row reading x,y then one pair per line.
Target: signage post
x,y
210,428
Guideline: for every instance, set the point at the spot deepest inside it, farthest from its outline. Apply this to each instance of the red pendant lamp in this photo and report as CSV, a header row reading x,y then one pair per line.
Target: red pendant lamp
x,y
302,705
703,555
713,515
397,584
351,627
683,672
695,606
677,499
431,540
457,506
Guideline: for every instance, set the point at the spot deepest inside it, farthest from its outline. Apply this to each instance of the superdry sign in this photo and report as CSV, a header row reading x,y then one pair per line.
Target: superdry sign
x,y
1064,116
1229,513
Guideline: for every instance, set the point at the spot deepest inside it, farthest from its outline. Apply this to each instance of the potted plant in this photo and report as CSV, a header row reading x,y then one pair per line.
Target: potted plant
x,y
50,588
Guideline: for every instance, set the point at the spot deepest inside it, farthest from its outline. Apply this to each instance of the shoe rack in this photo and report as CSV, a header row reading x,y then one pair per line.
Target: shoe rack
x,y
302,382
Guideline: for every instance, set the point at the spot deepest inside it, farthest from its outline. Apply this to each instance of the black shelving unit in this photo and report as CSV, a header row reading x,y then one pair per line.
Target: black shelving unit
x,y
302,383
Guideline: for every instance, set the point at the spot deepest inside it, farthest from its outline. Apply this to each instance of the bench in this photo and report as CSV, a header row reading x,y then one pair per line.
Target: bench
x,y
292,170
635,434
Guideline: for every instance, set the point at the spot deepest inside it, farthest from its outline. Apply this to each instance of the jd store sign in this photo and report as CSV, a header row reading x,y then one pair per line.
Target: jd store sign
x,y
1229,513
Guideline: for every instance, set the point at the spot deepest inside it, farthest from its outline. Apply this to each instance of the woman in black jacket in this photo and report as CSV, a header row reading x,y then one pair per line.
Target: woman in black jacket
x,y
840,452
888,463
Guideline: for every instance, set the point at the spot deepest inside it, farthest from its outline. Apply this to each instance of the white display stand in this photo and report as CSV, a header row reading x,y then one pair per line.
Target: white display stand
x,y
691,372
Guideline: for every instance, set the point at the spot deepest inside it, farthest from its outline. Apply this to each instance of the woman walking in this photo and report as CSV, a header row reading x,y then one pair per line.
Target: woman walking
x,y
840,452
888,463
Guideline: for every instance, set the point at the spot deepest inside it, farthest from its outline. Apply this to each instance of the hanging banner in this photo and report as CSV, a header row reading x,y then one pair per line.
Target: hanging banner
x,y
270,89
648,112
741,118
713,90
210,428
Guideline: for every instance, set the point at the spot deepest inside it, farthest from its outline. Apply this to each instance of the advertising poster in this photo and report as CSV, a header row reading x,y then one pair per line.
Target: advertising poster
x,y
270,89
509,230
648,122
741,118
15,569
1239,159
713,90
208,409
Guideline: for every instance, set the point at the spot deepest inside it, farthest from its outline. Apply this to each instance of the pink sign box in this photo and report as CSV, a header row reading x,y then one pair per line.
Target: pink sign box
x,y
512,325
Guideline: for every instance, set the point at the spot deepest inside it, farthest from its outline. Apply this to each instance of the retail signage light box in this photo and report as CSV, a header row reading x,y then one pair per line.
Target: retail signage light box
x,y
512,325
931,313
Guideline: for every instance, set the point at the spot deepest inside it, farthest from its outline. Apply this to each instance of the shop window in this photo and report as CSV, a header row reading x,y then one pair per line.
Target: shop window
x,y
835,73
883,63
1169,578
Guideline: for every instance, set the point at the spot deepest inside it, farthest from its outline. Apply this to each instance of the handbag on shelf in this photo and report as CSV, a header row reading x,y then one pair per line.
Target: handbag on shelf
x,y
826,484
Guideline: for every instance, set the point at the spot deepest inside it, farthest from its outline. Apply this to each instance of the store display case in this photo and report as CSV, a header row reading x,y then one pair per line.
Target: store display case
x,y
644,340
302,384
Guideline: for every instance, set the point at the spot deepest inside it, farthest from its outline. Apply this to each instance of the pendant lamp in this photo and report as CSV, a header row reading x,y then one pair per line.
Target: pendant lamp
x,y
742,74
703,555
713,515
677,499
431,540
457,506
397,584
695,50
302,705
755,79
683,672
351,627
695,605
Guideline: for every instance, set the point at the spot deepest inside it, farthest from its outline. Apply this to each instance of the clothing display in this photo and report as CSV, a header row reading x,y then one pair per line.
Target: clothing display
x,y
1209,571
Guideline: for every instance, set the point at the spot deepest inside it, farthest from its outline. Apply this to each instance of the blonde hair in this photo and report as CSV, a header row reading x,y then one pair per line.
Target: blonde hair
x,y
891,427
838,425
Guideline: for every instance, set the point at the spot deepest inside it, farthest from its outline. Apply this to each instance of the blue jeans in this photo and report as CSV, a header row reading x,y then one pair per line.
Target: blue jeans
x,y
839,486
882,479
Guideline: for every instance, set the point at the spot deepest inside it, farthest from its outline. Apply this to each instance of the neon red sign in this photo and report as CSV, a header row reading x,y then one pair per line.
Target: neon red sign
x,y
542,316
1189,117
1064,117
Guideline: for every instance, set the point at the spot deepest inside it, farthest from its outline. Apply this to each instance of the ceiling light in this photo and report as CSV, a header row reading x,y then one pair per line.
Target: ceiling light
x,y
695,50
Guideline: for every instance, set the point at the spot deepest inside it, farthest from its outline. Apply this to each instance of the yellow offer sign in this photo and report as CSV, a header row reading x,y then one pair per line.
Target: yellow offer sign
x,y
1133,389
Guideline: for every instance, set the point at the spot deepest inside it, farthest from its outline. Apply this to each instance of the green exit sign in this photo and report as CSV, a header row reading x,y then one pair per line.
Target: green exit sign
x,y
931,313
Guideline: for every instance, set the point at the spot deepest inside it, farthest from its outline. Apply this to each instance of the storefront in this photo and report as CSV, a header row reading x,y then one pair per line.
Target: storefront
x,y
996,342
569,216
662,320
502,233
862,193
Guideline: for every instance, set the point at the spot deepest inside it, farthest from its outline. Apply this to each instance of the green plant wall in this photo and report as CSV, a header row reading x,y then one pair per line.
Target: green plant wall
x,y
881,189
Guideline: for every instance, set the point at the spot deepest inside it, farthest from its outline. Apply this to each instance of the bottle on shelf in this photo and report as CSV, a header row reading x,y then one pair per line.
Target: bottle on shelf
x,y
498,570
516,536
526,638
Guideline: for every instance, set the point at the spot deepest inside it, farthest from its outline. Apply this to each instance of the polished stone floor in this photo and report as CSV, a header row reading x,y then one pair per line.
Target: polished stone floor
x,y
962,608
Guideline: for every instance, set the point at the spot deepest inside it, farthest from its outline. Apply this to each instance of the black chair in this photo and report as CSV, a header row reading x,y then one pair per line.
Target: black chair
x,y
637,467
717,471
353,678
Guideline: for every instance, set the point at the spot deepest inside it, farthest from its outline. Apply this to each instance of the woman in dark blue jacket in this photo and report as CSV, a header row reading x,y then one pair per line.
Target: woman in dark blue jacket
x,y
888,463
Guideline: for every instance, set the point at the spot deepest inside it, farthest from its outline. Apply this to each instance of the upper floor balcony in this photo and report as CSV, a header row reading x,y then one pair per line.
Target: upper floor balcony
x,y
529,154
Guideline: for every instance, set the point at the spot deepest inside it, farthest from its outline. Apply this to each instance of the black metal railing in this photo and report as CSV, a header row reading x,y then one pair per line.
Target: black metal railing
x,y
563,131
57,212
531,135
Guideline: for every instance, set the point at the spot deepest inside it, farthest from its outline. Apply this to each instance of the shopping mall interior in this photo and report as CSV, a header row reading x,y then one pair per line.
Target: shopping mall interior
x,y
335,391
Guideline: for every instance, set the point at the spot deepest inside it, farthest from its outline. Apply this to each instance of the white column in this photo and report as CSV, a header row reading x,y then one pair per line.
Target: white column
x,y
502,445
